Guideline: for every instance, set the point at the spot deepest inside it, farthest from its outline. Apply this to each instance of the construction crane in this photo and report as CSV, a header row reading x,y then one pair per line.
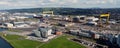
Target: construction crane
x,y
104,15
48,12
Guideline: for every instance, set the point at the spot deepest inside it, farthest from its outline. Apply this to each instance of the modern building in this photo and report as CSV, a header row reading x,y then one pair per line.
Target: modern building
x,y
37,33
43,32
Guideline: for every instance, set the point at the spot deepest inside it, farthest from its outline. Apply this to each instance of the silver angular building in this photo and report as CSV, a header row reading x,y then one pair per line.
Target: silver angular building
x,y
43,32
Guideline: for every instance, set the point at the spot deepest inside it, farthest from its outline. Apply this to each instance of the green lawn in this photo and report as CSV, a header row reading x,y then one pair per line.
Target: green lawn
x,y
60,42
20,42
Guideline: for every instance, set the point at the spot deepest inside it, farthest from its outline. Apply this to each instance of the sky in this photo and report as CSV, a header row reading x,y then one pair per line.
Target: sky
x,y
17,4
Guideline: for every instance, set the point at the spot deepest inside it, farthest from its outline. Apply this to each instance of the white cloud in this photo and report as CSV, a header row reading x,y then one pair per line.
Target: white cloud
x,y
48,3
100,2
4,3
74,1
53,0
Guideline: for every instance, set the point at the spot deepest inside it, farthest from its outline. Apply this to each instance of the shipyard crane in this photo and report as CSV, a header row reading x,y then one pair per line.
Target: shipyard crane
x,y
48,12
104,15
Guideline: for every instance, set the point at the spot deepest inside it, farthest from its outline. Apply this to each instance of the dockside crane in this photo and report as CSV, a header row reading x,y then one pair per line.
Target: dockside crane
x,y
48,12
107,20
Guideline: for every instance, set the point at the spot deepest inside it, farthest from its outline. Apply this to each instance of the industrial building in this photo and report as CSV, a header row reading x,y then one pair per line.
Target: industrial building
x,y
76,19
118,40
84,18
92,18
8,25
91,23
64,24
58,33
74,32
20,24
81,33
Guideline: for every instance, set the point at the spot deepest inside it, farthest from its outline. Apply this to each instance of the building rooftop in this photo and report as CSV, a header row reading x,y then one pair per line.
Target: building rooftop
x,y
44,29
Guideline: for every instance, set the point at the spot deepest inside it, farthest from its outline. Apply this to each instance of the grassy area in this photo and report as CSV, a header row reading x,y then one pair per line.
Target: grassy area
x,y
20,42
60,42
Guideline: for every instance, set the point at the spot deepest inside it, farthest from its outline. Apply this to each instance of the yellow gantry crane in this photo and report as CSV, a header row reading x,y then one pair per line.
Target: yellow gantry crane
x,y
48,12
107,20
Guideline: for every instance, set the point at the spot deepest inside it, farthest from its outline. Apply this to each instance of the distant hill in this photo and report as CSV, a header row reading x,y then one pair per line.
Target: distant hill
x,y
115,12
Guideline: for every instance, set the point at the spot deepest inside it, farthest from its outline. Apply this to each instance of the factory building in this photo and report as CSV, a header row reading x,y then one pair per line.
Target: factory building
x,y
81,33
20,24
92,18
91,23
84,18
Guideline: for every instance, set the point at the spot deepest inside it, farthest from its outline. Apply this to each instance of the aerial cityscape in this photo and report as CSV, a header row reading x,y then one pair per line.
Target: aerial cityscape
x,y
59,24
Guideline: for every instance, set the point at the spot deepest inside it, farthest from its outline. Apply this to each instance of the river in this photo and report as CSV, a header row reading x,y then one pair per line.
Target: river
x,y
4,43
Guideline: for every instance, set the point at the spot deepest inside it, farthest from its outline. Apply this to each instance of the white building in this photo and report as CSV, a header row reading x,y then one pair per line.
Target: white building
x,y
3,18
8,25
30,22
91,23
96,36
91,19
66,18
20,17
12,18
20,25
